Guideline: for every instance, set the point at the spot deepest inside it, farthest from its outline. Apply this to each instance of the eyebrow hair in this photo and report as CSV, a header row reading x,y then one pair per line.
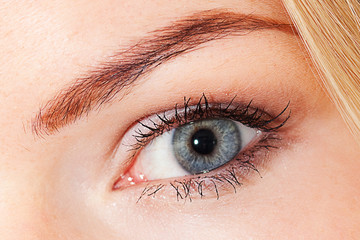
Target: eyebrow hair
x,y
126,67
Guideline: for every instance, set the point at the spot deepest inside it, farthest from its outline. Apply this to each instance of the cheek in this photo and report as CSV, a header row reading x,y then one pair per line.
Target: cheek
x,y
315,188
310,190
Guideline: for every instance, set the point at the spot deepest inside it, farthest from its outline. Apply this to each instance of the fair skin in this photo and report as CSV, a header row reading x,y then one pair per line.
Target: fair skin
x,y
58,185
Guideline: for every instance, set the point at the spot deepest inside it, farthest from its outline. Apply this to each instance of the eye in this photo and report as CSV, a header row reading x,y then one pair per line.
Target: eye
x,y
194,148
198,141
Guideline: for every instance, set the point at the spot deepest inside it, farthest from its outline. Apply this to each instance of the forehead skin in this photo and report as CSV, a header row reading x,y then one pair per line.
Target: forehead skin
x,y
45,45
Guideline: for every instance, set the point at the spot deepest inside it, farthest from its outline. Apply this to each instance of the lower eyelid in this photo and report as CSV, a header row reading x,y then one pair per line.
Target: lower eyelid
x,y
213,185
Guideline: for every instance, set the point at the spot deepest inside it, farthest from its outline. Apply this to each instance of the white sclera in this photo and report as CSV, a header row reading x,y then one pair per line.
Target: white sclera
x,y
157,159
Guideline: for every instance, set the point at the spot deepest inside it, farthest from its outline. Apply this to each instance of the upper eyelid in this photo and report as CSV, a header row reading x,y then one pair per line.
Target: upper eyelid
x,y
154,128
166,43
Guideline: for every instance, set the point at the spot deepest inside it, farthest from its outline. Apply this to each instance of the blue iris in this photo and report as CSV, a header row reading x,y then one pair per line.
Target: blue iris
x,y
204,145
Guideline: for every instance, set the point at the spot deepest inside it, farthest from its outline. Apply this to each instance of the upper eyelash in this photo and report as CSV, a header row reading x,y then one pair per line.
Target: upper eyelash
x,y
248,115
245,114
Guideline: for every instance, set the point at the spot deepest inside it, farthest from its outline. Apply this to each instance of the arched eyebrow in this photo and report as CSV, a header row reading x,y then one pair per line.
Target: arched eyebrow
x,y
126,67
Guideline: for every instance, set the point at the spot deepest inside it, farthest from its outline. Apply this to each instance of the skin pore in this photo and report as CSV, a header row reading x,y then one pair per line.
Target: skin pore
x,y
59,184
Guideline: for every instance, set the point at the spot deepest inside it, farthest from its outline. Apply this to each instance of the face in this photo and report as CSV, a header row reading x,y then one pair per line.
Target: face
x,y
158,120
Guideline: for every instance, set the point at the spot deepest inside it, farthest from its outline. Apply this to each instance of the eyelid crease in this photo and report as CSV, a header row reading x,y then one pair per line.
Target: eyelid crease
x,y
103,84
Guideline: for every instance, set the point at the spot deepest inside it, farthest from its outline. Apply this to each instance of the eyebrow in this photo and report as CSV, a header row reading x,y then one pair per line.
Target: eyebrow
x,y
103,84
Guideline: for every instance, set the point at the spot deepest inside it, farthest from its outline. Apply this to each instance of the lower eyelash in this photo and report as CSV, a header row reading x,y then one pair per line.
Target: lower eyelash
x,y
232,175
228,180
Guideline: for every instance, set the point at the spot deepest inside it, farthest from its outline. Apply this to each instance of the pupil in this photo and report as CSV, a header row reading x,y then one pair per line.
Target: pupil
x,y
204,141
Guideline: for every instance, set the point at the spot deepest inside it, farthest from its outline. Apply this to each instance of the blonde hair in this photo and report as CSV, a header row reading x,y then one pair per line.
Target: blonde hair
x,y
331,32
